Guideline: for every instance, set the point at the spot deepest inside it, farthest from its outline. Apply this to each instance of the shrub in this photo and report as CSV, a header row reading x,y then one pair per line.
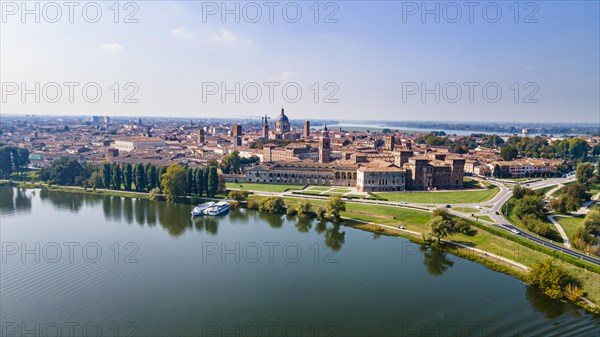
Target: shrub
x,y
320,213
536,225
550,278
252,204
291,211
273,205
572,292
155,194
239,196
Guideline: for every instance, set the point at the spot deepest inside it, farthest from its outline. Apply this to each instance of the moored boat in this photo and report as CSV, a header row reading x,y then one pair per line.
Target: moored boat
x,y
199,210
217,209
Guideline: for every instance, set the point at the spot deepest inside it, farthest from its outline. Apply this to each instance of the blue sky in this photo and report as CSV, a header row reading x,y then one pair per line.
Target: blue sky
x,y
376,53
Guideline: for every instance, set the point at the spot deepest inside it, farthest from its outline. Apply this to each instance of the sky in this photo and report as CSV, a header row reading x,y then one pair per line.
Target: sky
x,y
537,61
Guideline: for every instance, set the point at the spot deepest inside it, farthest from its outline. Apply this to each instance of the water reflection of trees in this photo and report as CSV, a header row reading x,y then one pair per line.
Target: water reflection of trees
x,y
175,218
549,307
14,200
303,225
334,238
321,227
206,223
275,221
62,200
436,261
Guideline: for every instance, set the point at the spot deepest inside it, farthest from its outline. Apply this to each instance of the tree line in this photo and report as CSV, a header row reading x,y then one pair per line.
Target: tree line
x,y
173,181
13,159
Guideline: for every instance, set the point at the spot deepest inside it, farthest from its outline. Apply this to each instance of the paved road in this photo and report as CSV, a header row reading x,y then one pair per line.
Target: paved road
x,y
549,244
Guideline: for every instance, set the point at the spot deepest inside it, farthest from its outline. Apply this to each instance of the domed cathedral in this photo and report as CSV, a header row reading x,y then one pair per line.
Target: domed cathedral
x,y
282,123
283,128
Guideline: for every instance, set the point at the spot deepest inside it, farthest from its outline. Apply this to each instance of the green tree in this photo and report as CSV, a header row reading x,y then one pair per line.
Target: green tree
x,y
95,180
161,170
439,228
21,159
140,177
152,177
6,166
199,180
578,149
272,205
335,205
173,182
304,209
239,195
213,182
518,192
106,175
190,184
127,176
584,172
529,204
509,153
117,176
550,278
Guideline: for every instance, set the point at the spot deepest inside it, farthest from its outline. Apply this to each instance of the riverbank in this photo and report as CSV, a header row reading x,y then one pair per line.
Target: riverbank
x,y
488,248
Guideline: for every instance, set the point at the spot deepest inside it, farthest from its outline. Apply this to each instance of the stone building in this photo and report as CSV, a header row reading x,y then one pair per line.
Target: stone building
x,y
385,177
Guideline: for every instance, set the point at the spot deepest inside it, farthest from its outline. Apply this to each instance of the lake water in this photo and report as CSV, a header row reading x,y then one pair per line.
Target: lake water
x,y
85,265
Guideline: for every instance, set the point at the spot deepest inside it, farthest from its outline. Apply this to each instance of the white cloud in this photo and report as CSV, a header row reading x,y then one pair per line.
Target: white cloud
x,y
224,35
284,75
182,32
111,47
227,36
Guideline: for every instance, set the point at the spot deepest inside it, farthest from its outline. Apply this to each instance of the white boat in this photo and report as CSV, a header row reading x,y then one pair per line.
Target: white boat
x,y
219,208
198,210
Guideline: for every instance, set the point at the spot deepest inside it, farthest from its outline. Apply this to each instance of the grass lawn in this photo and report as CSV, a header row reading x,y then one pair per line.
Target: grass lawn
x,y
318,188
310,192
358,196
486,218
466,210
340,190
452,197
262,187
594,189
570,224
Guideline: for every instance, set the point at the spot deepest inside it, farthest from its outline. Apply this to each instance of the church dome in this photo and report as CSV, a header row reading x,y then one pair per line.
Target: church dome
x,y
282,118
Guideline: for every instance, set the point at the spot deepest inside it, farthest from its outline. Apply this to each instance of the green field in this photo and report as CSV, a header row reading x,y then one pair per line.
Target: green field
x,y
485,217
466,210
317,188
570,224
263,187
453,197
340,190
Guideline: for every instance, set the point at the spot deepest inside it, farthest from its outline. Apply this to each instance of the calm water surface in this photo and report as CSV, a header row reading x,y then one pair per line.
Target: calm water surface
x,y
90,265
